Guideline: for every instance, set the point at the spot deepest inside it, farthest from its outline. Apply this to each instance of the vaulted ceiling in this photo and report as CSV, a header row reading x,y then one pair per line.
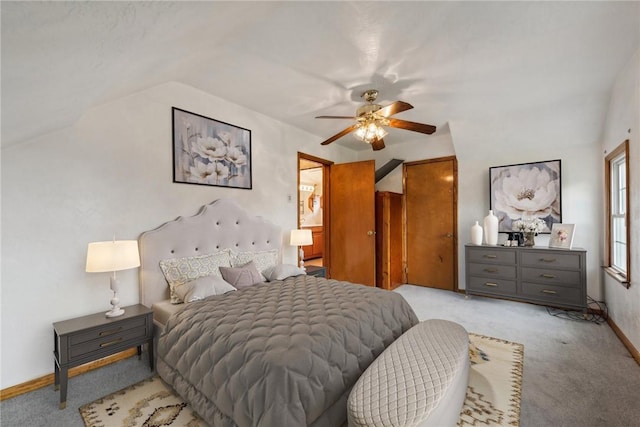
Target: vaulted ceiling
x,y
535,64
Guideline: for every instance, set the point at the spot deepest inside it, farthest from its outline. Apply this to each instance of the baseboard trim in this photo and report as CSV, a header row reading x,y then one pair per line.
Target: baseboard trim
x,y
47,380
625,341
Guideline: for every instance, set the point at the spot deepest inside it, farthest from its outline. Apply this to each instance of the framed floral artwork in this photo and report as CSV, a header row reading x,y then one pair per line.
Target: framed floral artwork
x,y
210,152
562,236
525,192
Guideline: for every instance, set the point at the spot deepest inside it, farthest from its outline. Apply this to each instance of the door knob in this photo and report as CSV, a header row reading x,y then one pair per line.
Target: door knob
x,y
449,235
370,233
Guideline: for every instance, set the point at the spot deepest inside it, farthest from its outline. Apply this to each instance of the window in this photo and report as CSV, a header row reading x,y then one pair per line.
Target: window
x,y
617,186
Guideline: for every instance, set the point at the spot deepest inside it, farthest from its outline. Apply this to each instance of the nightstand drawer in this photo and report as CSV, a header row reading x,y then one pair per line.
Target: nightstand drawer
x,y
108,330
553,294
491,270
492,286
551,259
485,255
105,342
560,277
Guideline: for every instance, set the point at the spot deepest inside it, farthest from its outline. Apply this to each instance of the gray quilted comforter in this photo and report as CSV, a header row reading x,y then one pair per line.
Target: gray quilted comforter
x,y
279,354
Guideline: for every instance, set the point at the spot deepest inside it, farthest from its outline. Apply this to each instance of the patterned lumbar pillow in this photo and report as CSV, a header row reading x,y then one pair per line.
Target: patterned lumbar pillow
x,y
203,287
179,271
242,277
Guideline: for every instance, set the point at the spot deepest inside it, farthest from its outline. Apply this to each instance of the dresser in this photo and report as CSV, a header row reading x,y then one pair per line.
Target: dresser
x,y
548,276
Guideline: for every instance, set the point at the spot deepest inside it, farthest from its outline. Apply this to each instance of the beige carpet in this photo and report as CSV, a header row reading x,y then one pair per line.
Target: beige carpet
x,y
493,395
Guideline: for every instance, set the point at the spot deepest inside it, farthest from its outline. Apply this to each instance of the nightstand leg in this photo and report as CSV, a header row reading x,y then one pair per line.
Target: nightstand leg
x,y
56,376
150,347
139,352
64,373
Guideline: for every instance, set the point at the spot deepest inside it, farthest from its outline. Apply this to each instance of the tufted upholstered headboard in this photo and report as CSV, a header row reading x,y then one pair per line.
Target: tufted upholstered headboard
x,y
218,225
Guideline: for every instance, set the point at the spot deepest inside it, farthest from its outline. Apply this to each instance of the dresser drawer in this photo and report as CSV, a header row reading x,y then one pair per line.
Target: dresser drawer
x,y
553,294
551,259
487,255
559,277
492,286
492,270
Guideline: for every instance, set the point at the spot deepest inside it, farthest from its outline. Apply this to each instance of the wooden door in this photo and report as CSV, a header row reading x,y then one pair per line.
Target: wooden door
x,y
352,240
388,240
431,223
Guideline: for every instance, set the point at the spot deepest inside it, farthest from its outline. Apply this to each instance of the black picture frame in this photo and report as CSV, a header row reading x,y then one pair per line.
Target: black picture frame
x,y
210,152
526,190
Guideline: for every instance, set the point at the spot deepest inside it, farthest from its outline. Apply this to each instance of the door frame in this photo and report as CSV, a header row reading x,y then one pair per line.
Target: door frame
x,y
326,201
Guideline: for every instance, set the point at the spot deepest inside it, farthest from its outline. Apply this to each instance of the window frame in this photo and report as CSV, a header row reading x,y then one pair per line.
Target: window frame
x,y
613,158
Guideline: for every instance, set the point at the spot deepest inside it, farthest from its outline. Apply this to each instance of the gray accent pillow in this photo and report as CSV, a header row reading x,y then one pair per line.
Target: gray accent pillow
x,y
242,277
282,271
203,287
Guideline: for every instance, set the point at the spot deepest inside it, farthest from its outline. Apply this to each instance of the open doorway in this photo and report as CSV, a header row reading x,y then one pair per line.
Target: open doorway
x,y
313,207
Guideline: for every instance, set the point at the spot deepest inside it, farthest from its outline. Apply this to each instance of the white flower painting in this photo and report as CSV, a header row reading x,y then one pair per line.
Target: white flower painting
x,y
210,152
526,192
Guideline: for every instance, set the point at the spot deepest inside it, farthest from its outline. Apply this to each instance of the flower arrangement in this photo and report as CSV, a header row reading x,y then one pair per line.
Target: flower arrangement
x,y
531,225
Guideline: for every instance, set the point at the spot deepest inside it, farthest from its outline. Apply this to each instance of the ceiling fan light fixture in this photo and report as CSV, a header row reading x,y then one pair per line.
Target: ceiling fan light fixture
x,y
370,131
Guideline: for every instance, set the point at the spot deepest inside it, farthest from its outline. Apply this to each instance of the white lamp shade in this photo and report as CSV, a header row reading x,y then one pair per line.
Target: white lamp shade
x,y
112,256
301,238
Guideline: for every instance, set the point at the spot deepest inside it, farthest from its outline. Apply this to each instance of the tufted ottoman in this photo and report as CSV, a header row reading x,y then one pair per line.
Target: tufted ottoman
x,y
419,380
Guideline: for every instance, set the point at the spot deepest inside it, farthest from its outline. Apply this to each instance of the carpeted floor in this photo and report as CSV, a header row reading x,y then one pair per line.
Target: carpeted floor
x,y
576,373
493,394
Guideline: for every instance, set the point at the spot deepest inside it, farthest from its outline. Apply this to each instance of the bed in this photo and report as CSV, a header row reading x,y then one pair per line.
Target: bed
x,y
284,352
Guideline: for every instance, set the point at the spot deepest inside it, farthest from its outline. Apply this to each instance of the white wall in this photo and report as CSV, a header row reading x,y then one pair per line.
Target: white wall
x,y
624,115
112,173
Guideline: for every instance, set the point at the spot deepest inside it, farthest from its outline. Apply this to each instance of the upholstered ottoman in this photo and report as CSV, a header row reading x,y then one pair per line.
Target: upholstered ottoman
x,y
419,380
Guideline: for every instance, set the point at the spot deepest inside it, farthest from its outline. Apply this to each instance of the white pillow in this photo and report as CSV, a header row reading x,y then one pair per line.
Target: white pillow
x,y
203,287
282,271
179,271
262,260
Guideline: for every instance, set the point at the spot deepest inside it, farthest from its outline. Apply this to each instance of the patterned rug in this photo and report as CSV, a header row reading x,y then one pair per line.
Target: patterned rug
x,y
493,395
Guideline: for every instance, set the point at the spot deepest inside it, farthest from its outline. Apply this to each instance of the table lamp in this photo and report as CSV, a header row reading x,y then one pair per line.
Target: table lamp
x,y
301,238
113,256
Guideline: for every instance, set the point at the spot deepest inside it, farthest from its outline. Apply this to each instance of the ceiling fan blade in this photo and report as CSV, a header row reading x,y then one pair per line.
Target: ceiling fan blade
x,y
395,108
377,144
416,127
340,134
336,117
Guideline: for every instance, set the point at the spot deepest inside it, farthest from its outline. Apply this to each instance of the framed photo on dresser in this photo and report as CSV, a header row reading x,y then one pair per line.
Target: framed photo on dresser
x,y
562,236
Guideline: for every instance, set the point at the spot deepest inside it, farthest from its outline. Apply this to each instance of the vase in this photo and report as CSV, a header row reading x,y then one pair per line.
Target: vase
x,y
529,239
476,234
491,229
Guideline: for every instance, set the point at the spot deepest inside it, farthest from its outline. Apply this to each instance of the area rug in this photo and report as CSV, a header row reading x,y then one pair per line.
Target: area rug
x,y
493,394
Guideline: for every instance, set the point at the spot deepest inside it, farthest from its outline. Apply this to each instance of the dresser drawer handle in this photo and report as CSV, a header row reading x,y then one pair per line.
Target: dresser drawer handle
x,y
491,270
548,276
493,285
547,259
547,291
490,256
110,332
107,344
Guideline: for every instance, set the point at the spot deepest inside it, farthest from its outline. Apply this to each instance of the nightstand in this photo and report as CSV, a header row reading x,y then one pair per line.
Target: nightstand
x,y
316,270
89,338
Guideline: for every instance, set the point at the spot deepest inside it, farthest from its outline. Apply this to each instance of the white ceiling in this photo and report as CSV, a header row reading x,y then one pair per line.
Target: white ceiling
x,y
481,62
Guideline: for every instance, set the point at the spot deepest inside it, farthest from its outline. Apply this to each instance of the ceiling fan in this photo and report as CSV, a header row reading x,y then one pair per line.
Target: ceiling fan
x,y
371,119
